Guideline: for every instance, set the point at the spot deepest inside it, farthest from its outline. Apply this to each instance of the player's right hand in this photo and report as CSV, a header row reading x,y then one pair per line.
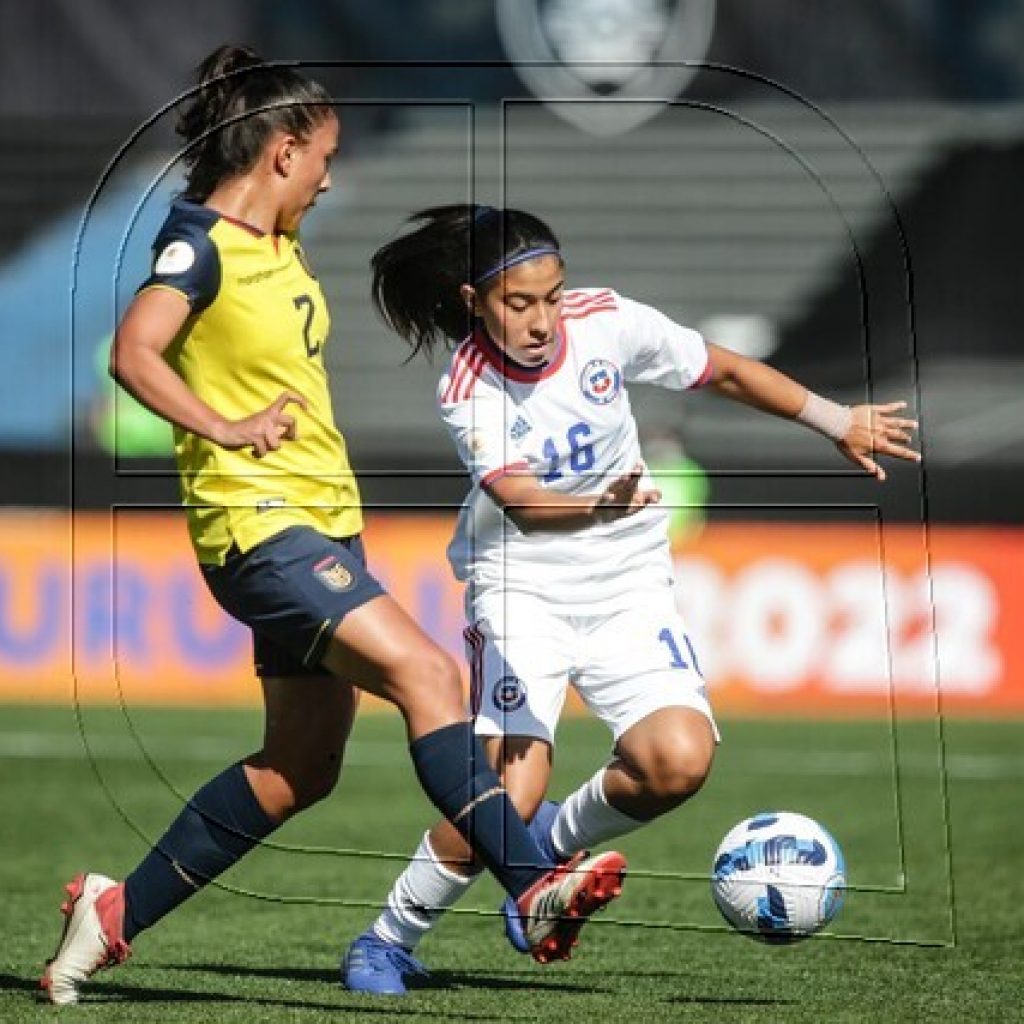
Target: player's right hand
x,y
623,497
879,430
263,431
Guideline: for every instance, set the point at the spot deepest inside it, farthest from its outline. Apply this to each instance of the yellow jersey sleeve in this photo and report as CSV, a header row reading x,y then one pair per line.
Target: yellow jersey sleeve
x,y
185,259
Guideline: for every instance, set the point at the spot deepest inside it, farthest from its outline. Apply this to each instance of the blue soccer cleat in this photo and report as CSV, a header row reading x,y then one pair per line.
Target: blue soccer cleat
x,y
540,829
379,967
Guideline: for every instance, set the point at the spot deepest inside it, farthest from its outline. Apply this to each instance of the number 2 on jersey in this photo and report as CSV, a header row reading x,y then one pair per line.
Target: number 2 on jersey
x,y
304,302
581,456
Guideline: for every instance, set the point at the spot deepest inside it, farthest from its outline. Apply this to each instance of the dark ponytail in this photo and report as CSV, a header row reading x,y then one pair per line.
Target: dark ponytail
x,y
225,139
417,276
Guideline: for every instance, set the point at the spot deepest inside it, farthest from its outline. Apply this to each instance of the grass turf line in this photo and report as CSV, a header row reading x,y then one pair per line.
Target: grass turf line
x,y
253,960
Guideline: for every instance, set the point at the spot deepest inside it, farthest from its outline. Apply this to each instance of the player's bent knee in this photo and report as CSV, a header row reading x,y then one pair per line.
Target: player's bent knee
x,y
285,792
313,789
674,772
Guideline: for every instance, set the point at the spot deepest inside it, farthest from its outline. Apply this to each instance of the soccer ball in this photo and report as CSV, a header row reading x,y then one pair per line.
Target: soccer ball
x,y
778,877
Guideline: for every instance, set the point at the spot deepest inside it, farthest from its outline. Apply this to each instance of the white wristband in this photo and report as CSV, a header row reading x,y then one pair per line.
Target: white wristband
x,y
827,417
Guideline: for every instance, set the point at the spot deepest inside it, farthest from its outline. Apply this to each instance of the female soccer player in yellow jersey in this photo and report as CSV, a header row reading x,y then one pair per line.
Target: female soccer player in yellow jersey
x,y
225,340
562,542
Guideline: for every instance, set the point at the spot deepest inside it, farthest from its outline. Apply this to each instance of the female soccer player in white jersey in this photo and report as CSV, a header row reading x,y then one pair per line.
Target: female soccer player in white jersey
x,y
561,542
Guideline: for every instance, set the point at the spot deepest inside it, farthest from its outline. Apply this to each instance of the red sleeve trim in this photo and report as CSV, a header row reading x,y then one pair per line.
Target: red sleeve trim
x,y
705,376
497,474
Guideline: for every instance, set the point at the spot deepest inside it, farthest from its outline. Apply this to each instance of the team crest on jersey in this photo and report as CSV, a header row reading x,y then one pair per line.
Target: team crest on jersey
x,y
509,694
601,381
333,575
519,429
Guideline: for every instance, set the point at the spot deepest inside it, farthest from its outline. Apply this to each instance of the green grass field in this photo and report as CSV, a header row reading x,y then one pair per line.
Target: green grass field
x,y
897,952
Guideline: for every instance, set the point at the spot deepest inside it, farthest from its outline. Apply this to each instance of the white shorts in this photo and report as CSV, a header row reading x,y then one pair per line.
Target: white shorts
x,y
626,664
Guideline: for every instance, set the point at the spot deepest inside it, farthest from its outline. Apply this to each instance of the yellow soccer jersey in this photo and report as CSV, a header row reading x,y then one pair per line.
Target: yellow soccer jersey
x,y
259,325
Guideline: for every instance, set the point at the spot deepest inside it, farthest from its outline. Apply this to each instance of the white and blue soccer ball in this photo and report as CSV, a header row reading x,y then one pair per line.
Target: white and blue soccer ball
x,y
778,877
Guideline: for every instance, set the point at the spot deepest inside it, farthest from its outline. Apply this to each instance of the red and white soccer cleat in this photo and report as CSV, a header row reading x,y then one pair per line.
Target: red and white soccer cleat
x,y
555,908
92,937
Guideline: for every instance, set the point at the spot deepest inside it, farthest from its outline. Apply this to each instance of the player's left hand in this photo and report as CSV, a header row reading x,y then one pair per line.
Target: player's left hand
x,y
624,497
878,430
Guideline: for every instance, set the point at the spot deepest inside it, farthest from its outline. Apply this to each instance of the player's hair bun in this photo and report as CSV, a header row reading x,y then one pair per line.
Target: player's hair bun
x,y
219,80
240,102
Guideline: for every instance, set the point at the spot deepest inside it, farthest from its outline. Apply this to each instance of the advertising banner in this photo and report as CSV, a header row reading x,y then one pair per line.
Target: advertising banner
x,y
789,619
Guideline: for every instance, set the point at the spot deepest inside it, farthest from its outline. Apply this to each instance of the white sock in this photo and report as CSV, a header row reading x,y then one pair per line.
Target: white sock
x,y
420,895
586,819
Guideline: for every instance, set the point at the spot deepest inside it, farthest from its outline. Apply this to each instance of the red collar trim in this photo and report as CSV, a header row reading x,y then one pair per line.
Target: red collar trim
x,y
513,370
244,225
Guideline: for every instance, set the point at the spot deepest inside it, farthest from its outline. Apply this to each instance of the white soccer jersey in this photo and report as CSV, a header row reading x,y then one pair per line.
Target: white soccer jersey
x,y
570,424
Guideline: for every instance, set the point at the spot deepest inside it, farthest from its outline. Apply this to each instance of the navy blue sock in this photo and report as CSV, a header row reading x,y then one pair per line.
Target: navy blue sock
x,y
454,773
218,826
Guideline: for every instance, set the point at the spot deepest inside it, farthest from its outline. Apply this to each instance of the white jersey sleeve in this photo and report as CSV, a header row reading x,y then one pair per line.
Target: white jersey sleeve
x,y
479,417
657,350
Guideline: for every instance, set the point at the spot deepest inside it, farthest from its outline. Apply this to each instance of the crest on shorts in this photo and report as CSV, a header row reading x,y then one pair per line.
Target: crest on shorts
x,y
568,51
509,694
601,381
333,575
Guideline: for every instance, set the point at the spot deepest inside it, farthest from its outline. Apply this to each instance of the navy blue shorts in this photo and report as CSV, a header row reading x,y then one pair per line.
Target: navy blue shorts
x,y
292,590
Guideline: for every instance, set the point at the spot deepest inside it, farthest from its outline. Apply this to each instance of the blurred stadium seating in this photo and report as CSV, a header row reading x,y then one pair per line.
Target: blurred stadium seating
x,y
739,210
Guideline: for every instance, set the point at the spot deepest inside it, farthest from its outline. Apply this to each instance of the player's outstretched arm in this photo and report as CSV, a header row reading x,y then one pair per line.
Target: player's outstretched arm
x,y
137,363
532,507
861,432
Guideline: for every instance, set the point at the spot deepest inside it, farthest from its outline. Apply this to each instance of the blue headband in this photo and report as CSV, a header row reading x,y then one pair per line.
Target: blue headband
x,y
513,261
